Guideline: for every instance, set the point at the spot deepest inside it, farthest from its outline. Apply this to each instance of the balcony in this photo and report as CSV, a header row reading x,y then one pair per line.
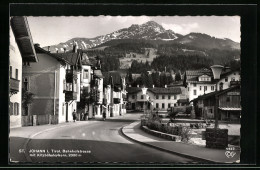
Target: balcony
x,y
116,100
14,85
70,75
234,83
70,95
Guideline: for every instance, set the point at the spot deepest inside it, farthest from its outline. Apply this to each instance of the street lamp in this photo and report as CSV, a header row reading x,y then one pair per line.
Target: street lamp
x,y
144,90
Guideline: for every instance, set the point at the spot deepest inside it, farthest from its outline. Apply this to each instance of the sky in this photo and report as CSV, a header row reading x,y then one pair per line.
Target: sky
x,y
54,30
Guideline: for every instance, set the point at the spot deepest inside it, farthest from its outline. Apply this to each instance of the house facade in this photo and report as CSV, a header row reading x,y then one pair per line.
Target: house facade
x,y
200,82
21,51
159,98
55,83
227,103
115,94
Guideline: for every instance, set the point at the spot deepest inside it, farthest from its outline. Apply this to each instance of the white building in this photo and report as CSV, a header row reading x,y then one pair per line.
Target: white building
x,y
21,50
160,98
200,82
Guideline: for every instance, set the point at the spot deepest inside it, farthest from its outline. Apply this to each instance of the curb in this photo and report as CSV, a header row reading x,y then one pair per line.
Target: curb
x,y
162,149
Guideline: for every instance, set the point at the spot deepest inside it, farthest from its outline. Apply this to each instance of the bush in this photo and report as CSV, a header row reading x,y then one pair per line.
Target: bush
x,y
185,136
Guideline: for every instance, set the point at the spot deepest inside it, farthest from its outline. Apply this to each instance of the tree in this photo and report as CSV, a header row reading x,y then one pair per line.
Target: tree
x,y
156,79
177,76
27,98
163,79
169,79
185,80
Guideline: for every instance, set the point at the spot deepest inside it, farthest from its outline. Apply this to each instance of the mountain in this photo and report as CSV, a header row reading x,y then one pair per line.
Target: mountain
x,y
147,31
152,33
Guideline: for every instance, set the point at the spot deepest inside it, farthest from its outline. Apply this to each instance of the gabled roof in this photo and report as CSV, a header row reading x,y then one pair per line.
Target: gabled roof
x,y
98,74
23,38
71,57
41,50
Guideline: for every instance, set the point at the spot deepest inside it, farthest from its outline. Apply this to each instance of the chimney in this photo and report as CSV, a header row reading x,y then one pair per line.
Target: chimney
x,y
137,85
216,69
153,85
165,85
75,47
49,48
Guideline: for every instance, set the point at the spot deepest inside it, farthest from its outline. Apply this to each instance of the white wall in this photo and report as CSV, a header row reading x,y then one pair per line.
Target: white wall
x,y
199,91
235,75
16,63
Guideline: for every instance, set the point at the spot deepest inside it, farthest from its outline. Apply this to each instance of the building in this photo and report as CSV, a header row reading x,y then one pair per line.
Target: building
x,y
227,103
96,88
55,83
21,52
114,93
200,82
159,98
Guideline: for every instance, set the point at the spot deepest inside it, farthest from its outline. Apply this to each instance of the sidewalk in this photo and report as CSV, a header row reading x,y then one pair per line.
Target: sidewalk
x,y
203,154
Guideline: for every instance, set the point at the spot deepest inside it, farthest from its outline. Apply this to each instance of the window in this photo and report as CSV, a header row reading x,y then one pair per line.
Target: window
x,y
11,70
226,79
175,97
26,83
157,105
233,79
175,104
205,88
194,92
133,96
221,86
200,87
194,84
169,105
157,96
169,97
16,74
11,108
75,86
212,88
162,96
85,74
163,105
142,96
26,63
16,109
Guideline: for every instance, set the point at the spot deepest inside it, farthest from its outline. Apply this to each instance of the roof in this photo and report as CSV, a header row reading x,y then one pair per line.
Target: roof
x,y
132,90
70,57
170,90
98,74
85,59
41,50
23,38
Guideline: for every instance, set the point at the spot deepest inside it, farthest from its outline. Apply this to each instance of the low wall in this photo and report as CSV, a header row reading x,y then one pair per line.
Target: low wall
x,y
35,120
161,134
216,138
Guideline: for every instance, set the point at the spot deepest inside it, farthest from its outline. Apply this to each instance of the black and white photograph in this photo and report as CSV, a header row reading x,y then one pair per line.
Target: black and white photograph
x,y
125,89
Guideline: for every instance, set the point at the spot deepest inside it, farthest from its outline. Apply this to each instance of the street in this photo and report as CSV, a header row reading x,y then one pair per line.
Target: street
x,y
85,142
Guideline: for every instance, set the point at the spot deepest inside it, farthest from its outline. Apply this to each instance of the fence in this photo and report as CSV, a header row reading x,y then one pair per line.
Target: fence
x,y
34,120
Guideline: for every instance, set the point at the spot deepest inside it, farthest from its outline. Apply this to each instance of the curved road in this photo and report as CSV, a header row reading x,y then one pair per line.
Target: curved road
x,y
101,142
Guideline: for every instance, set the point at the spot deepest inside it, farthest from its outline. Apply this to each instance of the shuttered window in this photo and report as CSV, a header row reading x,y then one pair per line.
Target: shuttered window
x,y
11,108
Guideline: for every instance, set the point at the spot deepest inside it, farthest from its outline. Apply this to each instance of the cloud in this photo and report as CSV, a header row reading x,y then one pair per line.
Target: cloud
x,y
124,19
182,28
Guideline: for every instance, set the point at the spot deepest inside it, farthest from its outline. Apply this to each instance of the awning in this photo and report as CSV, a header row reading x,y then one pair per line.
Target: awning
x,y
230,109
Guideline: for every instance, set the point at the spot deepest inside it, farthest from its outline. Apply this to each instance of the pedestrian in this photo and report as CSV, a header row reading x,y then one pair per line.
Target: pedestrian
x,y
104,115
82,116
74,115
